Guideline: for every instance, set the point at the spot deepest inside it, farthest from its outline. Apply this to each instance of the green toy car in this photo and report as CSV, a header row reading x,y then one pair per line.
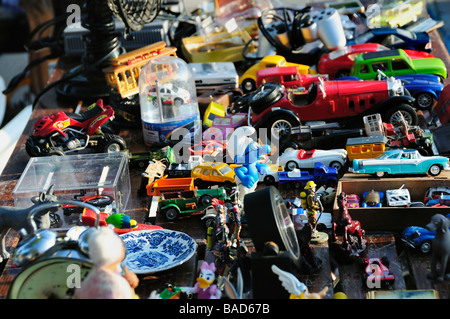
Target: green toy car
x,y
397,62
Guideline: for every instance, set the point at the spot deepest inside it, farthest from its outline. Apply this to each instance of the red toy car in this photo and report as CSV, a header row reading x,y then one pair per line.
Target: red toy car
x,y
345,102
376,272
209,147
338,63
286,75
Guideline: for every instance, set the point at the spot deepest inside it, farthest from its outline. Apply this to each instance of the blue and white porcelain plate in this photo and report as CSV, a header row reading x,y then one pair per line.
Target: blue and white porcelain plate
x,y
150,251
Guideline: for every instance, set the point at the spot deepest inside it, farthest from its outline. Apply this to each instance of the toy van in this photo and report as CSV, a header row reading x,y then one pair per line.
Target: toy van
x,y
365,147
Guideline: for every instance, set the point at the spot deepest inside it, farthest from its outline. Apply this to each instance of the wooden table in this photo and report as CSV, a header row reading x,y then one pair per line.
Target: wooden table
x,y
186,274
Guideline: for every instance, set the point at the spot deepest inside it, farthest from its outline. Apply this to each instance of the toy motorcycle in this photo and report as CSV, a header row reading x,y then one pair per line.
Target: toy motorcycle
x,y
62,132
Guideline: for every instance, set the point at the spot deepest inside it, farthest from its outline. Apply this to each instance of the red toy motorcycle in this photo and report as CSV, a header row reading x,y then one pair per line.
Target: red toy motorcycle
x,y
62,132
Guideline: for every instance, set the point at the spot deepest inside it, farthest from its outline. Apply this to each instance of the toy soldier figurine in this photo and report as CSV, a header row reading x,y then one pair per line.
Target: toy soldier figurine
x,y
234,217
222,228
312,204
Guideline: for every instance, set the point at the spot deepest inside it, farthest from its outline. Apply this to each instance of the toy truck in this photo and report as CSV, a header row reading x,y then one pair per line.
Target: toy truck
x,y
172,204
321,175
164,185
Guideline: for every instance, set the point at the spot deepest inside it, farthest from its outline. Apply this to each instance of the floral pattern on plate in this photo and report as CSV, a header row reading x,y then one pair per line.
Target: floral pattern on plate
x,y
150,251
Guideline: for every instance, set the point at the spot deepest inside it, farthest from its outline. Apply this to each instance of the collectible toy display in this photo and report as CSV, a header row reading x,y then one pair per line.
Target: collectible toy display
x,y
231,150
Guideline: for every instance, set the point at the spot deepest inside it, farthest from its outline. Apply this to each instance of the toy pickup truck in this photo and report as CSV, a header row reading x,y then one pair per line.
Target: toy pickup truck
x,y
184,169
175,203
165,185
321,175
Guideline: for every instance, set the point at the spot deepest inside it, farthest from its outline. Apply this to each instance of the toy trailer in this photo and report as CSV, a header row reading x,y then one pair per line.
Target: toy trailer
x,y
164,185
365,147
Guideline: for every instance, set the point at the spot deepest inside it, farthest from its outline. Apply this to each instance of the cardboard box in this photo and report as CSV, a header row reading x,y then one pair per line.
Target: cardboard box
x,y
385,218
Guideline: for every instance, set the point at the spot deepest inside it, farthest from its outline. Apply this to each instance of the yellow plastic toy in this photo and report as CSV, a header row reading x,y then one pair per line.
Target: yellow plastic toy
x,y
213,110
213,172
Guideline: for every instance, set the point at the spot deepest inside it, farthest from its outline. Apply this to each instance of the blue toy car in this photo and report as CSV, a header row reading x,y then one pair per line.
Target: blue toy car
x,y
400,161
425,88
373,198
419,238
321,175
395,38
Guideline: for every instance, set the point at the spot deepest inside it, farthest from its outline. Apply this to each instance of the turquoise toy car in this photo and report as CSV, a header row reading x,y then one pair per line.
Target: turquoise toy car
x,y
396,62
400,161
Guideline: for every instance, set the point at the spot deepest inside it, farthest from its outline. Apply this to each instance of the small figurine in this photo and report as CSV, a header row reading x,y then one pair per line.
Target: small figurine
x,y
297,289
109,278
441,247
121,221
346,226
222,230
17,218
245,151
234,219
204,288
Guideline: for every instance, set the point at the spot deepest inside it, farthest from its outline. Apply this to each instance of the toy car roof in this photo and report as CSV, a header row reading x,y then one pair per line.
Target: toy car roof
x,y
279,70
381,54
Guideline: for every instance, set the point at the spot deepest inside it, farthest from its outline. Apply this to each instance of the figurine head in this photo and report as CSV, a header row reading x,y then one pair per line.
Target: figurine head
x,y
105,247
243,148
207,275
310,185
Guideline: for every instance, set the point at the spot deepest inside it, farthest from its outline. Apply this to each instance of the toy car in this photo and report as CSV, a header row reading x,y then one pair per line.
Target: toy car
x,y
352,201
248,80
373,198
397,14
344,102
321,175
170,94
304,159
376,271
398,197
209,147
418,238
213,172
226,125
400,161
289,76
395,38
435,193
338,63
397,62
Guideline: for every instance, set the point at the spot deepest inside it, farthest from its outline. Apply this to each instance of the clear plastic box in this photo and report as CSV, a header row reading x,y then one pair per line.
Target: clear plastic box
x,y
95,174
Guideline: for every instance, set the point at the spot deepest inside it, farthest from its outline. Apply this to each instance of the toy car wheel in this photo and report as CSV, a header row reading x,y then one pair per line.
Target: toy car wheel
x,y
210,222
337,165
269,180
395,113
425,100
280,127
265,96
291,165
112,144
206,200
248,85
178,102
434,170
425,247
380,174
171,213
289,146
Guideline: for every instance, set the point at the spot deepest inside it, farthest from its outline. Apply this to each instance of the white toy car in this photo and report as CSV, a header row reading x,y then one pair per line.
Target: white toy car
x,y
170,94
398,197
306,159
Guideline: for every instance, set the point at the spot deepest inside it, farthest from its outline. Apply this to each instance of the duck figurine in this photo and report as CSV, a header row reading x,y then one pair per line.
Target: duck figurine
x,y
204,287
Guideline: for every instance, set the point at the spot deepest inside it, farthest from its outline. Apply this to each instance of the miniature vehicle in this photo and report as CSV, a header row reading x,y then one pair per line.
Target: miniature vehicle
x,y
376,270
213,110
400,161
155,170
396,62
365,147
398,14
344,102
395,38
306,159
418,238
215,75
170,94
209,147
213,172
398,197
248,80
289,76
272,177
165,184
352,201
184,169
338,63
99,201
226,124
373,199
321,175
435,193
63,133
173,204
123,74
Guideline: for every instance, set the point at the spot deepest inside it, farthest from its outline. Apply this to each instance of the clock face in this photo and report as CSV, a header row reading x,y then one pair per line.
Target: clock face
x,y
285,226
54,278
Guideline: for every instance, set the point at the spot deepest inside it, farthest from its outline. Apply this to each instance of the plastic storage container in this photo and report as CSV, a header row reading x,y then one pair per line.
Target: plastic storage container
x,y
168,100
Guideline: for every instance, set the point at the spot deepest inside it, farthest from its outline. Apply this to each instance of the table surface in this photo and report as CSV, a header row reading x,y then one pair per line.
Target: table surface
x,y
409,262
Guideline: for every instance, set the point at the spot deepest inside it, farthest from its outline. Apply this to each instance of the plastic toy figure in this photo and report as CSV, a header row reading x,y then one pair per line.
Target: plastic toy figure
x,y
246,152
222,230
204,288
104,281
234,219
297,289
312,205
